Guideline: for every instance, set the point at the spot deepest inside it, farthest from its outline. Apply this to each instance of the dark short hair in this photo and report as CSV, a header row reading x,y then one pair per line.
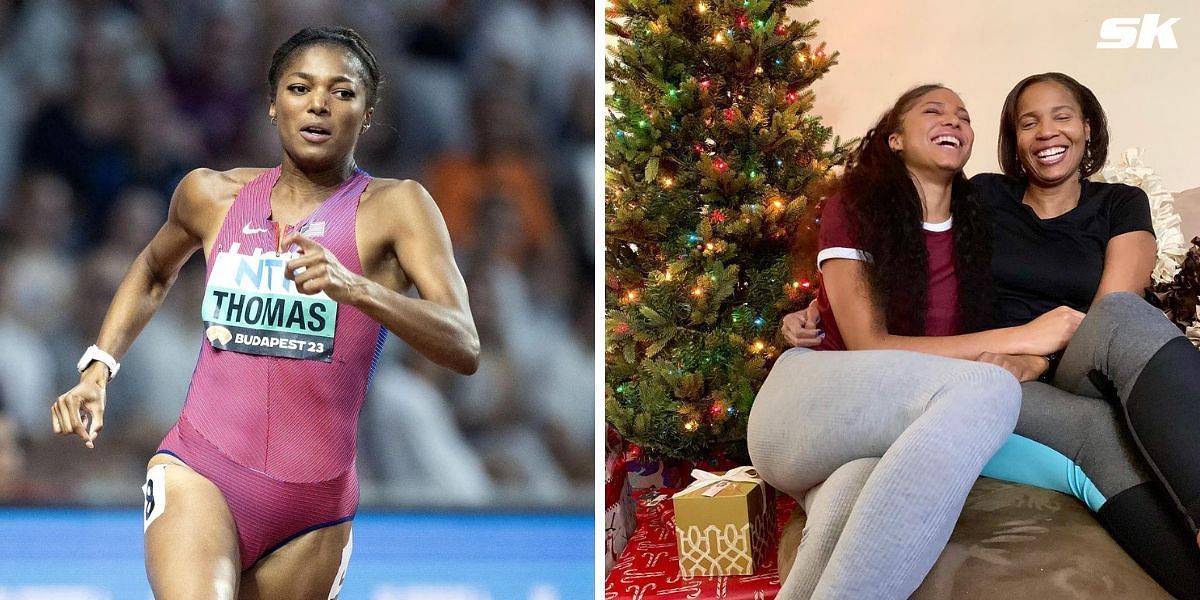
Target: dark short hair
x,y
341,37
1093,114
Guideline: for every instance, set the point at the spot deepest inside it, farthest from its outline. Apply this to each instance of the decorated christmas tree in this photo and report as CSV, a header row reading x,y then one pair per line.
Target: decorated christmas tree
x,y
713,165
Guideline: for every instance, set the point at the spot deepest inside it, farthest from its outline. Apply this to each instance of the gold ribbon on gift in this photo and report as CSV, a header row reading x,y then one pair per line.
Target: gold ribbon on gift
x,y
704,479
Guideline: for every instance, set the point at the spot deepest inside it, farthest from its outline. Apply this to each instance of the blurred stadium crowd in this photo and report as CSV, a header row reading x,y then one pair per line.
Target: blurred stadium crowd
x,y
487,103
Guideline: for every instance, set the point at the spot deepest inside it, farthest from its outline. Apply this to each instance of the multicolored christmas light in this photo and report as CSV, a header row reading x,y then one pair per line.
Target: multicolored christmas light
x,y
712,164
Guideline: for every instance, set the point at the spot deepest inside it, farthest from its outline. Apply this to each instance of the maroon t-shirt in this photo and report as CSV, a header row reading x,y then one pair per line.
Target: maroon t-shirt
x,y
836,241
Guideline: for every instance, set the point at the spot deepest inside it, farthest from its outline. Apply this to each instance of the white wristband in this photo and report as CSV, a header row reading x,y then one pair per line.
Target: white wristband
x,y
94,353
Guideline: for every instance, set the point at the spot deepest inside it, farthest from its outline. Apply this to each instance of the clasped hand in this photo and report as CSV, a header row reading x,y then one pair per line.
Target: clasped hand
x,y
802,328
318,270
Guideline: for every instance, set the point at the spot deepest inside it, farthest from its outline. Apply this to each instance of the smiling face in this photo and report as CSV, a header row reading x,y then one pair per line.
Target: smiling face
x,y
935,133
1052,134
320,105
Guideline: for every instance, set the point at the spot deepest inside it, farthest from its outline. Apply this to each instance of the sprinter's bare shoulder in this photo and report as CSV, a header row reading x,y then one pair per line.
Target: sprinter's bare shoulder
x,y
199,205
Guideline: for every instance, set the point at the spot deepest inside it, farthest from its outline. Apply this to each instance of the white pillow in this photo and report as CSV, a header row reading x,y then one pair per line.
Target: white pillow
x,y
1172,245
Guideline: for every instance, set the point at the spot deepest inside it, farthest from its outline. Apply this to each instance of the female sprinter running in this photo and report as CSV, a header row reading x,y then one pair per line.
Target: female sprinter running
x,y
252,493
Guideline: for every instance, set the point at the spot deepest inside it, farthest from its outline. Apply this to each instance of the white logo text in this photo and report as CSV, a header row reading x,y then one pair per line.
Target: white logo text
x,y
1123,32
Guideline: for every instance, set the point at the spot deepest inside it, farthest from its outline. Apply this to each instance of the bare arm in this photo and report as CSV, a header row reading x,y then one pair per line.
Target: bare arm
x,y
1128,261
137,299
439,323
863,326
153,272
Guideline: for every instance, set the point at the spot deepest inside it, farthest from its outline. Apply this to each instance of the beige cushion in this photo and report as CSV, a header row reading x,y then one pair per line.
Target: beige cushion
x,y
1187,204
1015,542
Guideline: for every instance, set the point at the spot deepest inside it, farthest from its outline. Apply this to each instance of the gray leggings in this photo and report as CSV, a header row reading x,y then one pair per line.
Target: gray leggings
x,y
906,434
1073,418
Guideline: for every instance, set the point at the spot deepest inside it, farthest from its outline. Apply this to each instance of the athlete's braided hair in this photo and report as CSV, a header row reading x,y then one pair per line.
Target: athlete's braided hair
x,y
341,37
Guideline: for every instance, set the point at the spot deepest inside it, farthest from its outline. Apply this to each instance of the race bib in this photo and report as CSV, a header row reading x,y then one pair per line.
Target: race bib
x,y
250,307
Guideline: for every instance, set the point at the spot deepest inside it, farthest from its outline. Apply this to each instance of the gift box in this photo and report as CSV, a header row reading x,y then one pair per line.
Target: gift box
x,y
724,522
649,567
649,474
619,508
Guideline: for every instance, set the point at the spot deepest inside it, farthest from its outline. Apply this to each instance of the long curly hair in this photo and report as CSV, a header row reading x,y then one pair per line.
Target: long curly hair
x,y
883,210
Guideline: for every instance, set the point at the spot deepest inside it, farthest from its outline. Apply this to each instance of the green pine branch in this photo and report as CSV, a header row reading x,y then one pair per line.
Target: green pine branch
x,y
712,162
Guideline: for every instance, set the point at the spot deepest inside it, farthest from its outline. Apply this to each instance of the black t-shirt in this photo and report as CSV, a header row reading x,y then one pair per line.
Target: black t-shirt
x,y
1039,264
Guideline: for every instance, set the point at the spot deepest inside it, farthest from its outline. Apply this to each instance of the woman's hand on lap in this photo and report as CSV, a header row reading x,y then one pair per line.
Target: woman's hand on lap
x,y
1025,367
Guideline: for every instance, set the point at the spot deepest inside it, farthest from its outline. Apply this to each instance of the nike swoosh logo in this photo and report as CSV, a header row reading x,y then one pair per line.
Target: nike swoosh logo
x,y
248,230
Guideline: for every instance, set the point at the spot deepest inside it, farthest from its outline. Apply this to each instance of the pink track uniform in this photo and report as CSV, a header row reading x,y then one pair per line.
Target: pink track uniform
x,y
272,412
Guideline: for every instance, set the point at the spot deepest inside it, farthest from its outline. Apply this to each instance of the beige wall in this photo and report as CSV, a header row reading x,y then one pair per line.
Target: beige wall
x,y
981,48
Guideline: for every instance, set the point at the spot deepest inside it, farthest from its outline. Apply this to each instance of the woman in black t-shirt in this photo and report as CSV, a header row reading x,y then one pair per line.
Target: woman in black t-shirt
x,y
1122,402
1061,239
